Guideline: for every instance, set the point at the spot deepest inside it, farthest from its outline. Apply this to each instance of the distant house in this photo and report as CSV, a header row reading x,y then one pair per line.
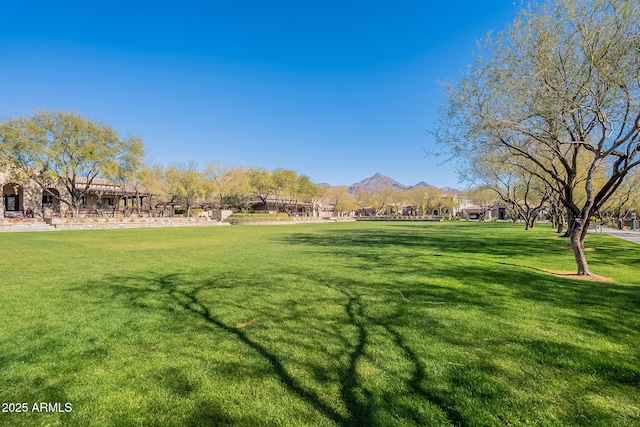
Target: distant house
x,y
30,199
469,210
292,207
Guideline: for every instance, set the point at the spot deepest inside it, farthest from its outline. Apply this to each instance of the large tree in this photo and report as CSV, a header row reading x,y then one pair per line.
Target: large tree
x,y
64,149
560,88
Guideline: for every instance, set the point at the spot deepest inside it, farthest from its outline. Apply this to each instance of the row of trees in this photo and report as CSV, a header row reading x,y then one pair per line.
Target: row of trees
x,y
64,150
555,100
422,200
231,188
525,197
60,149
224,187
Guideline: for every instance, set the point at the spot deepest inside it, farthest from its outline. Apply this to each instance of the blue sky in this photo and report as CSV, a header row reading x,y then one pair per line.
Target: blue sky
x,y
336,90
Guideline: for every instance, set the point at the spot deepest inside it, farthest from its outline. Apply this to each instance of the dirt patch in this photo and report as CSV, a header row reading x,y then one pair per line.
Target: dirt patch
x,y
247,323
585,249
573,275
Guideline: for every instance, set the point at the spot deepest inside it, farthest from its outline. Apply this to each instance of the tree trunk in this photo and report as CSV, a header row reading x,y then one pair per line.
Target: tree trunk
x,y
570,224
577,233
585,229
531,221
75,208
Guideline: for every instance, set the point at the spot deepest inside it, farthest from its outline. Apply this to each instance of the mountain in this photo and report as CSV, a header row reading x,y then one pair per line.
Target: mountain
x,y
449,190
378,181
375,182
423,184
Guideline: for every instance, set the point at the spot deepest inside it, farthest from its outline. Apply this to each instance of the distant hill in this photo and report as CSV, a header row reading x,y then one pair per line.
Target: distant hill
x,y
423,184
449,190
376,182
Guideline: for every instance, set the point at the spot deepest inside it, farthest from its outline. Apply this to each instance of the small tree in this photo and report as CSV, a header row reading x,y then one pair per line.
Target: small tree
x,y
340,198
524,194
416,197
305,191
229,187
382,198
285,183
186,184
261,181
482,197
625,201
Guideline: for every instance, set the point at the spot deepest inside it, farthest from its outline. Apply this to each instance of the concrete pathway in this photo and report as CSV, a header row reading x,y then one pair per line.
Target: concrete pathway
x,y
632,236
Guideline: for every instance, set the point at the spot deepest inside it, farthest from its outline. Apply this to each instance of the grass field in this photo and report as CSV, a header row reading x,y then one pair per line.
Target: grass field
x,y
376,324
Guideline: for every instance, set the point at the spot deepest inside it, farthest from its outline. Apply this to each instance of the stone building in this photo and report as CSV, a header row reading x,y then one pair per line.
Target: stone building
x,y
26,198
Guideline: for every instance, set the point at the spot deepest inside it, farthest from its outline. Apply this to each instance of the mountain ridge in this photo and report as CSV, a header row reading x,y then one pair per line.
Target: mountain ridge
x,y
379,180
375,182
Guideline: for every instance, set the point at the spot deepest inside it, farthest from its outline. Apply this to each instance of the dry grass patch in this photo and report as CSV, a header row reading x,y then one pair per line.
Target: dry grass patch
x,y
247,323
569,247
574,275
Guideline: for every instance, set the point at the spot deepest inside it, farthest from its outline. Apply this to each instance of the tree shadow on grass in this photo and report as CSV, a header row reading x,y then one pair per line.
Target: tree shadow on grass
x,y
464,241
383,377
469,260
363,410
358,403
501,289
187,297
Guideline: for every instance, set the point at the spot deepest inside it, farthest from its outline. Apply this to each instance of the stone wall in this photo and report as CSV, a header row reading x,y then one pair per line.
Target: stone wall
x,y
128,222
221,215
4,225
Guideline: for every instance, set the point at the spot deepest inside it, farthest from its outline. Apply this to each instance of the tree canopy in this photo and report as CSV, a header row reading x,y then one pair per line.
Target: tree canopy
x,y
186,184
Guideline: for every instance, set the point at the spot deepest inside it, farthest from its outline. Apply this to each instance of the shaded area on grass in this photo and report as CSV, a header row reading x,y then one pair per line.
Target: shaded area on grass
x,y
358,404
496,278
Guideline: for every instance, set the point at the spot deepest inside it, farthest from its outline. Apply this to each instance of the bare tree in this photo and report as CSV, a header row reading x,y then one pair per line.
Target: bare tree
x,y
524,194
186,183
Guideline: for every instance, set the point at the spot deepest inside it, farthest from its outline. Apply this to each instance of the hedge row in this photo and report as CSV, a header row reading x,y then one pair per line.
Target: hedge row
x,y
237,218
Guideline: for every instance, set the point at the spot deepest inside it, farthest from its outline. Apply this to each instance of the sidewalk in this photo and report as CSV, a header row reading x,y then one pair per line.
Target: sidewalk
x,y
632,236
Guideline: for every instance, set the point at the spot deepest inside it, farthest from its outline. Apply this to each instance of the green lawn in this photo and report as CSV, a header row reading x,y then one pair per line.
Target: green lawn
x,y
376,324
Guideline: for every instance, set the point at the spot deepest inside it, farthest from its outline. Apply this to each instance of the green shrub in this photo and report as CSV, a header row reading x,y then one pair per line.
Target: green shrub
x,y
238,218
183,211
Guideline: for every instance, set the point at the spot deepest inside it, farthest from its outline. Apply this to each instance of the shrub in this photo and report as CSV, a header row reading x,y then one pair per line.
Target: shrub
x,y
238,218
